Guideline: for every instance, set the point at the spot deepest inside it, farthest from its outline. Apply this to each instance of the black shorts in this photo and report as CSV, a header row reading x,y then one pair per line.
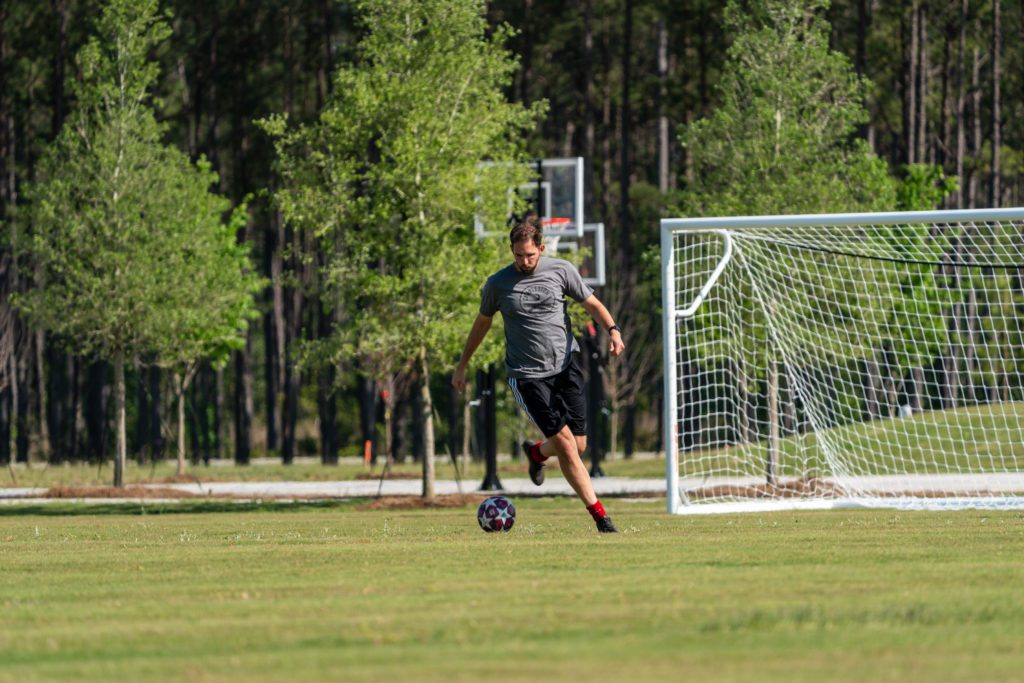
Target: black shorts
x,y
554,402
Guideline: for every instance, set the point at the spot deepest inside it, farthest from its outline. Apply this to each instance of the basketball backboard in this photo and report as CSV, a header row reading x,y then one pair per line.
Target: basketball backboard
x,y
592,267
556,195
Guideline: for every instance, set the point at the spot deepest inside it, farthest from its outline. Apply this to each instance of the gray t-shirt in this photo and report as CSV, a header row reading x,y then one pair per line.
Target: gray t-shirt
x,y
538,333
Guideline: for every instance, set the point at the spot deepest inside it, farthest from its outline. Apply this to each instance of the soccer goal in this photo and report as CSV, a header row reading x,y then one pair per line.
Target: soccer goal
x,y
844,360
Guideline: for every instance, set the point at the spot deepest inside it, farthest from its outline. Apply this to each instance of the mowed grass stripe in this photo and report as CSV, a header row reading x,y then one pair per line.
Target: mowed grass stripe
x,y
342,594
985,438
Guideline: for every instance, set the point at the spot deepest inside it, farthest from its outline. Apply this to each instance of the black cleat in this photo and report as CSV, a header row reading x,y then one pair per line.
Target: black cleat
x,y
605,526
536,468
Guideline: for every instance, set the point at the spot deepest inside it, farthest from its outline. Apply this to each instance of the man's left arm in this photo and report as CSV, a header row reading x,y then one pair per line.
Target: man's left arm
x,y
599,313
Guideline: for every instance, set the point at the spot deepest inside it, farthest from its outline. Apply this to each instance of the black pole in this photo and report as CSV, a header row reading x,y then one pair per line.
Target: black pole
x,y
485,380
595,400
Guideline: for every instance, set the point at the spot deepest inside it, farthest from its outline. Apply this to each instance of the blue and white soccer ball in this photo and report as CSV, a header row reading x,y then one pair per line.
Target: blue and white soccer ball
x,y
497,513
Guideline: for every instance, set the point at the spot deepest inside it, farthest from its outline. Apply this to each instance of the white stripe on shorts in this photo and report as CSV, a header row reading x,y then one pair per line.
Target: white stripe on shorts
x,y
520,401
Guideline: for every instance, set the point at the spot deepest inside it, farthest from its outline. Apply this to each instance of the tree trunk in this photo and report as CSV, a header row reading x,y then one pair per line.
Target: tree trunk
x,y
995,193
274,331
243,403
326,397
427,419
629,432
916,400
415,422
961,101
664,183
203,399
95,411
219,423
773,423
156,430
951,364
293,377
142,440
468,426
44,432
972,184
945,134
526,55
922,95
180,381
390,401
367,391
625,145
60,59
589,134
744,434
871,389
74,366
399,425
789,418
5,425
971,350
121,451
911,84
21,402
58,398
860,62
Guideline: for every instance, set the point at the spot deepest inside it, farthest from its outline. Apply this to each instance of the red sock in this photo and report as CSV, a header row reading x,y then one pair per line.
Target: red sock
x,y
597,511
535,454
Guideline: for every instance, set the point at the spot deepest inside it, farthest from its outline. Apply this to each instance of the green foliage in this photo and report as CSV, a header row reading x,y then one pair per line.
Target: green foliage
x,y
782,140
391,174
923,187
133,250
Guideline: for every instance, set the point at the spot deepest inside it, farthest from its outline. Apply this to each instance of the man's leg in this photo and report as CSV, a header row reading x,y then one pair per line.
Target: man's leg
x,y
564,446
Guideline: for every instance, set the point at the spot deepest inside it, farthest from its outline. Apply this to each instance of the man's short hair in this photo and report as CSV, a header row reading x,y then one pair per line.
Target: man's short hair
x,y
529,229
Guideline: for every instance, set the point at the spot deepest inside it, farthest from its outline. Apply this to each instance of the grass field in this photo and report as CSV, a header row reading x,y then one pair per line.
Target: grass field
x,y
304,593
985,438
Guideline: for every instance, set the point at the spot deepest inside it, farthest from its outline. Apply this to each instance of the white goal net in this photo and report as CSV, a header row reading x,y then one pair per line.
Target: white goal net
x,y
848,359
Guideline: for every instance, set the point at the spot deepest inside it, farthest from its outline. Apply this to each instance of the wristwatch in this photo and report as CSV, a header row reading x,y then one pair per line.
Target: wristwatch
x,y
614,327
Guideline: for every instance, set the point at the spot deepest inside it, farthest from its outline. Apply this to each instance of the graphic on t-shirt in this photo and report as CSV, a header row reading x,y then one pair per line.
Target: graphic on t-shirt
x,y
536,299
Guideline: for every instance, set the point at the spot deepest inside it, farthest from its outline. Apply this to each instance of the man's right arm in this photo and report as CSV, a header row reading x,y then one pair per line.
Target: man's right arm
x,y
476,335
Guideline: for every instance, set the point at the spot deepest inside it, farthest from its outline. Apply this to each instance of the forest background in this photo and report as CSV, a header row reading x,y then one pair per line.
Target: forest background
x,y
620,80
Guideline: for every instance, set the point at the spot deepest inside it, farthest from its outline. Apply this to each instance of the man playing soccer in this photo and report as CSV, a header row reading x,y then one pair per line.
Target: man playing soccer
x,y
542,371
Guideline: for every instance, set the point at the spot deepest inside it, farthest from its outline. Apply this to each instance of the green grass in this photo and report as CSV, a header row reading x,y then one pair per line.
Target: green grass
x,y
307,593
987,438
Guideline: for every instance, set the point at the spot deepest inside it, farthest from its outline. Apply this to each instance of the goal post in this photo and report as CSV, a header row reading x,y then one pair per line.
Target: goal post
x,y
819,361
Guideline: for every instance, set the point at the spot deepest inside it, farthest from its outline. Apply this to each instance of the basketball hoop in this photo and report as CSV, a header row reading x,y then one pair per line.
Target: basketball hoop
x,y
559,222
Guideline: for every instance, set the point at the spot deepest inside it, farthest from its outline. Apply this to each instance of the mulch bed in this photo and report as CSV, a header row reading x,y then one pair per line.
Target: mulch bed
x,y
418,503
370,476
114,492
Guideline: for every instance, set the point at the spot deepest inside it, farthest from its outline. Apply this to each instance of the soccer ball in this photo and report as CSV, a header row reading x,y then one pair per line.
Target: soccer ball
x,y
496,513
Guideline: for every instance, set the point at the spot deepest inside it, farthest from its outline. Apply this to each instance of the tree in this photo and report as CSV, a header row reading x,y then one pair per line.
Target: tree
x,y
206,314
782,141
124,230
390,177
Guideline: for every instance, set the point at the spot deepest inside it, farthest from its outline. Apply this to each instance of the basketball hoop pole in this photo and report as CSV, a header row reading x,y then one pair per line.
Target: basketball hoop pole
x,y
488,411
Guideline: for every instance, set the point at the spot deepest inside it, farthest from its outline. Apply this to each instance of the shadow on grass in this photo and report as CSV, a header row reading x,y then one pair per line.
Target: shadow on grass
x,y
184,507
